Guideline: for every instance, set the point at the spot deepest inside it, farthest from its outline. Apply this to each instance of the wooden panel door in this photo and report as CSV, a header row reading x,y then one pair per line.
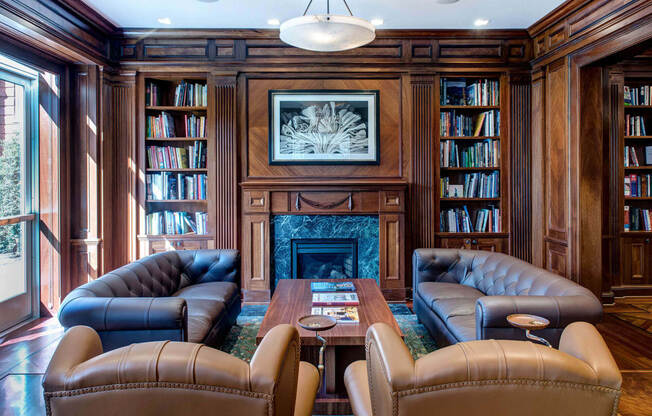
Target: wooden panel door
x,y
636,260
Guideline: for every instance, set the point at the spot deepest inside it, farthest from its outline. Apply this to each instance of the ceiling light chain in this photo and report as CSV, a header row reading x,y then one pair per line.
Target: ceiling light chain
x,y
328,7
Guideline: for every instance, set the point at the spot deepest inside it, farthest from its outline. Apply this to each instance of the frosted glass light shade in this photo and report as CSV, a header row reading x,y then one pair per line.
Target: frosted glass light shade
x,y
327,33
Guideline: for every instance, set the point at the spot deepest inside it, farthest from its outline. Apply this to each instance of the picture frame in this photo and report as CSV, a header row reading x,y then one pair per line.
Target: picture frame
x,y
324,127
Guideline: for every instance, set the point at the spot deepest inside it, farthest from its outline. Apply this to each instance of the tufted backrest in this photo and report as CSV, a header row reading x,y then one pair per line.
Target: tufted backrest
x,y
493,274
162,274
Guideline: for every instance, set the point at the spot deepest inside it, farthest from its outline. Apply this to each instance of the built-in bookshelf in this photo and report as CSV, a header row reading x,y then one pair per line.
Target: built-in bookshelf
x,y
471,164
637,156
175,140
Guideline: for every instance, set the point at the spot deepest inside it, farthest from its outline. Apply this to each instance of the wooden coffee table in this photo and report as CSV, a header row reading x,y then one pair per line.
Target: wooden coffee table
x,y
346,342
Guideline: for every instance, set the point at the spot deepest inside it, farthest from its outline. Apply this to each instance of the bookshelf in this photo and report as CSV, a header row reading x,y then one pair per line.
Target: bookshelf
x,y
637,156
175,138
472,162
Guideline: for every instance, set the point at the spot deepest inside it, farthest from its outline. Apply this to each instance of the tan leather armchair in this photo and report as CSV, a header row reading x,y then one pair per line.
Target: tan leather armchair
x,y
489,377
178,378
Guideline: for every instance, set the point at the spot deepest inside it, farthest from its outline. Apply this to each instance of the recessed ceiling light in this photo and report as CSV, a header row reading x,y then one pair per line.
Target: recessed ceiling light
x,y
273,22
447,1
377,22
164,20
481,22
208,1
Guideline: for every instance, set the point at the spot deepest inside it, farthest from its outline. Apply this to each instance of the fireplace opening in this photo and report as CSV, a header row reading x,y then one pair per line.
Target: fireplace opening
x,y
325,258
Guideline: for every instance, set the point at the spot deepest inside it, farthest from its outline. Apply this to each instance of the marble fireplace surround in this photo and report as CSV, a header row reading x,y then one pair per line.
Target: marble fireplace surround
x,y
275,213
363,228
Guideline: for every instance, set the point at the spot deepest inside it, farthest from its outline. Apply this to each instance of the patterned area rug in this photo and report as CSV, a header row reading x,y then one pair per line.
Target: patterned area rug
x,y
241,340
637,314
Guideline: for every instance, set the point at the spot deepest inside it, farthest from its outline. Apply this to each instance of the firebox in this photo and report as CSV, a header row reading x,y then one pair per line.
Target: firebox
x,y
324,258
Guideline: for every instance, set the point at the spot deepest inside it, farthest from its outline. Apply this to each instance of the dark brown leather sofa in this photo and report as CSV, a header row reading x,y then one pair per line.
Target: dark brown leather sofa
x,y
178,378
189,295
488,377
466,295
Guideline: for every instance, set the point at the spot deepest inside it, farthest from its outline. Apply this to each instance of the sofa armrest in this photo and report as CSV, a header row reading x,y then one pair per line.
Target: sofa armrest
x,y
111,314
492,311
78,345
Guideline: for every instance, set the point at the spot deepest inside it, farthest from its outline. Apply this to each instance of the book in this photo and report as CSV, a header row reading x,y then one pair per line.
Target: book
x,y
335,299
332,287
342,314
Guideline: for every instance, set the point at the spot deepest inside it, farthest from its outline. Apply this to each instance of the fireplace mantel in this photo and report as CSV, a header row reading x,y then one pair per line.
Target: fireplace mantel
x,y
263,199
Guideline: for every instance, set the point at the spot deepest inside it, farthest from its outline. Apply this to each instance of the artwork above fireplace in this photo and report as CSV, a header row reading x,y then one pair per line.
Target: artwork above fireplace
x,y
324,258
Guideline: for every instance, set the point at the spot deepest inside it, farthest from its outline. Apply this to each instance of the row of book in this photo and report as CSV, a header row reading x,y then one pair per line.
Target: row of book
x,y
195,126
187,94
152,94
176,222
177,157
458,220
641,95
637,219
476,185
635,125
486,123
457,91
638,185
632,158
161,126
477,155
175,186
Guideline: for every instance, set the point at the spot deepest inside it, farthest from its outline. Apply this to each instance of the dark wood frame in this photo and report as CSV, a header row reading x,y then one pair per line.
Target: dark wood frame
x,y
271,95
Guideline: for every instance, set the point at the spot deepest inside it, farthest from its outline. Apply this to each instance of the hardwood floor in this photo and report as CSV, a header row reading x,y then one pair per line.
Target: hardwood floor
x,y
25,353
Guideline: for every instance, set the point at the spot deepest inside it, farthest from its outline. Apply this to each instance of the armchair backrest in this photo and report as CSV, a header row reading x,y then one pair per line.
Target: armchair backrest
x,y
494,274
171,378
494,377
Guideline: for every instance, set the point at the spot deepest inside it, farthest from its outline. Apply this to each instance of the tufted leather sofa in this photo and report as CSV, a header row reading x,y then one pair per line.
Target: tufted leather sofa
x,y
488,377
465,295
178,378
188,295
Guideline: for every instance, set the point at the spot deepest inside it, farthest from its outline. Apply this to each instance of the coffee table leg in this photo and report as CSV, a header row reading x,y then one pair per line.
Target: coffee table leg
x,y
330,369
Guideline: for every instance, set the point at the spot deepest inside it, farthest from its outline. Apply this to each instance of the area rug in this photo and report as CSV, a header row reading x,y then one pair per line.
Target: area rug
x,y
638,315
241,340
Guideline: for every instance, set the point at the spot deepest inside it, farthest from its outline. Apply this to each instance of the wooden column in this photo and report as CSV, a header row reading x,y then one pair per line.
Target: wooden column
x,y
119,170
85,183
226,201
521,153
537,188
422,183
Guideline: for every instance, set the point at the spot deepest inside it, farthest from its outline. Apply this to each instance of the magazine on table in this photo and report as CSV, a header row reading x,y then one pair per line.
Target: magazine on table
x,y
335,299
342,314
332,287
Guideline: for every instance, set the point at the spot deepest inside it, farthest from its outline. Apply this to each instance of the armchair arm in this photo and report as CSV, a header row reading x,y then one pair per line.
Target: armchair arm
x,y
110,314
492,311
78,345
274,368
386,351
583,341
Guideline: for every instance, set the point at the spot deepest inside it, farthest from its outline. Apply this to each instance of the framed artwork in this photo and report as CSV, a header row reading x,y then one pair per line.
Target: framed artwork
x,y
317,127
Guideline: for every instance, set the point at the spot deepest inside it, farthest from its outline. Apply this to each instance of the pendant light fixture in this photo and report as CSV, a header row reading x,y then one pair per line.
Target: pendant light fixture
x,y
327,32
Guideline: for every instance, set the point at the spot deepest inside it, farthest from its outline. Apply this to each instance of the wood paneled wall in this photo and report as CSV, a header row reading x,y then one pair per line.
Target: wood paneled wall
x,y
255,156
570,133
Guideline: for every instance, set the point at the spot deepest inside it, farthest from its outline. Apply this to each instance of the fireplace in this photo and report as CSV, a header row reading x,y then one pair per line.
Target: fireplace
x,y
324,258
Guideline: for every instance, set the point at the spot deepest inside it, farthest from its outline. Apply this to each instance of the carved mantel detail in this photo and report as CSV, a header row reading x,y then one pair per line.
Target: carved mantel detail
x,y
262,200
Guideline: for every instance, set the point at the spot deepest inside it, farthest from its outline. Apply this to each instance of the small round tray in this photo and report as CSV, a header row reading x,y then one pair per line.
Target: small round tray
x,y
525,321
316,322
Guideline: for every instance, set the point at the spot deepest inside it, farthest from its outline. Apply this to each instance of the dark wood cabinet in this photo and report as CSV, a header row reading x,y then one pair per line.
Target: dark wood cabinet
x,y
636,266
